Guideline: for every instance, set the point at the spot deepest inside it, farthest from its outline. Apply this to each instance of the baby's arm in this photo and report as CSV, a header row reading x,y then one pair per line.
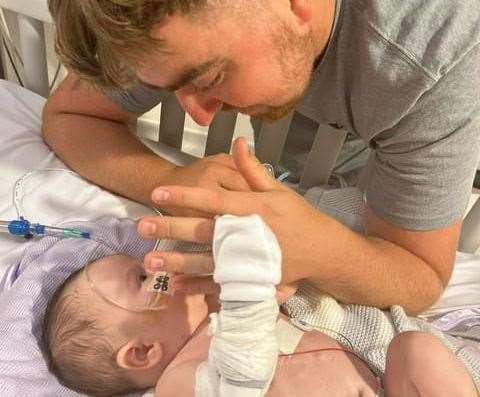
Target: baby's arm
x,y
418,364
244,349
178,383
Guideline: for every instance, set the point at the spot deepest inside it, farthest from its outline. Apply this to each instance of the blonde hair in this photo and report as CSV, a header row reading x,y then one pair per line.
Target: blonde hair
x,y
77,347
103,40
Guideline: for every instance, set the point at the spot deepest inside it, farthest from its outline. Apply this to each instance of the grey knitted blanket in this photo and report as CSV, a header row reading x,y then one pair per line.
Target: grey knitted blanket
x,y
368,331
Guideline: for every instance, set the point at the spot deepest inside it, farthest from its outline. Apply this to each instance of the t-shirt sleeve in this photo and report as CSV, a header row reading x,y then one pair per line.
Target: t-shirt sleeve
x,y
138,99
420,175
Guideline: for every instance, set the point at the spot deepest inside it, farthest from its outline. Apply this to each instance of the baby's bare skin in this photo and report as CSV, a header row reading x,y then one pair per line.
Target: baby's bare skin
x,y
299,375
324,373
417,365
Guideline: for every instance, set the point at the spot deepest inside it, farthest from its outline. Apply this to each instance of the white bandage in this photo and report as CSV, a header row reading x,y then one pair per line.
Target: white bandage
x,y
247,259
244,349
243,352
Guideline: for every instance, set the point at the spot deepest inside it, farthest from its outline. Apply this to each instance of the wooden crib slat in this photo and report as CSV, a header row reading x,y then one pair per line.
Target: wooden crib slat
x,y
220,133
470,236
322,156
34,54
37,9
271,140
172,122
3,75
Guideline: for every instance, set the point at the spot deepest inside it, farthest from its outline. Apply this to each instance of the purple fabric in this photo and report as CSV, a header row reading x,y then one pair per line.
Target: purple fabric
x,y
29,285
459,319
9,277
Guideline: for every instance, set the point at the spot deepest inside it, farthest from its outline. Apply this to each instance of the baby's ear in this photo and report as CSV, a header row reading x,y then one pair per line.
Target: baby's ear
x,y
139,355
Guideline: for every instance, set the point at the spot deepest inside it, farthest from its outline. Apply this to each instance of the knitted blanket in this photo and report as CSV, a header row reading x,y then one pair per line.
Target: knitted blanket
x,y
368,331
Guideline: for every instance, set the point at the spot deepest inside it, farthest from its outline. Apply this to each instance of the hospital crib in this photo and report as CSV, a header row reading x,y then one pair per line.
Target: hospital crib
x,y
32,15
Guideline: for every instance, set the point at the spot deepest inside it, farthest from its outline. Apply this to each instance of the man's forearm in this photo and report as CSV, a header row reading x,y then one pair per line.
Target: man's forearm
x,y
106,153
370,271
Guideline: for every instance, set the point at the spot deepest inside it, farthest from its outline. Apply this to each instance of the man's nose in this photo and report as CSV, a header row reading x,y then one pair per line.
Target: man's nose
x,y
200,107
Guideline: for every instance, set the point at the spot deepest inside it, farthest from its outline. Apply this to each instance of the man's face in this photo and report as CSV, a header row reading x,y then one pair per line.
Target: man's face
x,y
258,65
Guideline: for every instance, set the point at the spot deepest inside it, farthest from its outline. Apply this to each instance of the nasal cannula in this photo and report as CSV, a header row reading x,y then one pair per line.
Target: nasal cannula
x,y
22,227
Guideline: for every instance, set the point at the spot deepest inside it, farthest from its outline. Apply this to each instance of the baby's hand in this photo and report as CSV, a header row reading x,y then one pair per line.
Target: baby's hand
x,y
285,291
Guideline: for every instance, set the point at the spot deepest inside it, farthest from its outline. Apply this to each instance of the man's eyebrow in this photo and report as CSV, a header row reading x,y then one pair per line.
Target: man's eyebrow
x,y
190,75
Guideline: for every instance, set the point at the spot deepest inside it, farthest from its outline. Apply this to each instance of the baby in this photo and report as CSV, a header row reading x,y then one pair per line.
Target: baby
x,y
101,349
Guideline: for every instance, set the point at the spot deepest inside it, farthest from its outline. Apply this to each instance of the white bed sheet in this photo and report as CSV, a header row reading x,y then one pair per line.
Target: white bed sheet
x,y
50,198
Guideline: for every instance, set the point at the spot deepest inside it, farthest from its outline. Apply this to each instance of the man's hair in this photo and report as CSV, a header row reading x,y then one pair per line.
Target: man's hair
x,y
103,40
77,347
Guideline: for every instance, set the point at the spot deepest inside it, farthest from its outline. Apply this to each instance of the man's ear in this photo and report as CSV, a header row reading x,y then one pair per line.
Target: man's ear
x,y
303,10
139,355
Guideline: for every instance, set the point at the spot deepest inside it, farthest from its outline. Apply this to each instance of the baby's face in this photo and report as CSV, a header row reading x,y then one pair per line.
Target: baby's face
x,y
120,283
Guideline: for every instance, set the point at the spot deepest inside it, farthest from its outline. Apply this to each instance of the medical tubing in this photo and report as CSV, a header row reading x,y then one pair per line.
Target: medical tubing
x,y
59,231
4,227
22,227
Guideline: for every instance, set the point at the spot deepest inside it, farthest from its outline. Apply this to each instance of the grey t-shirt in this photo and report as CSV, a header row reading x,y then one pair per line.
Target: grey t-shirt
x,y
404,75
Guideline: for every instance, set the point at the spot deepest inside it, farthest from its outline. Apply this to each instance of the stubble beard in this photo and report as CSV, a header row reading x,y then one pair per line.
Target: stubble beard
x,y
291,52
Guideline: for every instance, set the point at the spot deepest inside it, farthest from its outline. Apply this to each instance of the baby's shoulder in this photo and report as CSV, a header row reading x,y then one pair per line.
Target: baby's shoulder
x,y
178,381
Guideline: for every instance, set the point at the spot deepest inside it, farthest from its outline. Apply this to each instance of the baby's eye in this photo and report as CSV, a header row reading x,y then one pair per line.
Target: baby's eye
x,y
142,277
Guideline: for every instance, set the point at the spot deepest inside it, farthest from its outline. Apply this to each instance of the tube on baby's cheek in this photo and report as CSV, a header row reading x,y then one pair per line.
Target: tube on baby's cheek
x,y
124,283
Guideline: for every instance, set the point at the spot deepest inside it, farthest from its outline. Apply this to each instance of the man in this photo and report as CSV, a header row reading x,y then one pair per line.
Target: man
x,y
404,75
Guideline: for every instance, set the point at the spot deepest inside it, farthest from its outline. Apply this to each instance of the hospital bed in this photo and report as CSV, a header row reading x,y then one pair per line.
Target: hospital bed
x,y
53,194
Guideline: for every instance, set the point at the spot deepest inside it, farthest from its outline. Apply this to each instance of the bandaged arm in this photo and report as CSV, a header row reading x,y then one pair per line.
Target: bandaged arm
x,y
243,350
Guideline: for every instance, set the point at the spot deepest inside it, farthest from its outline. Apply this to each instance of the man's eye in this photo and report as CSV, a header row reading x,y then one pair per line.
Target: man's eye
x,y
216,81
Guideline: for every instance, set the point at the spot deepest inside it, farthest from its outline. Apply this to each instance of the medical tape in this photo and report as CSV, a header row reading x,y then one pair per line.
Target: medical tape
x,y
161,283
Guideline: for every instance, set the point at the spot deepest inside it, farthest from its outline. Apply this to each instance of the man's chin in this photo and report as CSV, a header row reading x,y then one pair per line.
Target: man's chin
x,y
274,115
270,115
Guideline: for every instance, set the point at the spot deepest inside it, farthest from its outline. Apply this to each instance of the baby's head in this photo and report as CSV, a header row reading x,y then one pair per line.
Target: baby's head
x,y
101,349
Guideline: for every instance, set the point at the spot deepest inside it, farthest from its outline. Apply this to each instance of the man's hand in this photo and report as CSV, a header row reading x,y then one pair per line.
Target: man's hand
x,y
289,216
217,172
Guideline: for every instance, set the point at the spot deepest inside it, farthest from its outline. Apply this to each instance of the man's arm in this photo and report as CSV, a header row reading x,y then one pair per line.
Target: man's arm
x,y
389,266
89,132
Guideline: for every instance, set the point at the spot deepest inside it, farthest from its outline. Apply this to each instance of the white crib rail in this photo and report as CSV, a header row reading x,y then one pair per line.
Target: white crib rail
x,y
36,9
32,14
